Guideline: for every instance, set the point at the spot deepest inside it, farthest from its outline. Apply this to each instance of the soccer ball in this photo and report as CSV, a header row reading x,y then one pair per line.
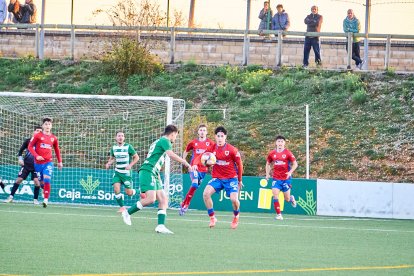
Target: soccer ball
x,y
208,159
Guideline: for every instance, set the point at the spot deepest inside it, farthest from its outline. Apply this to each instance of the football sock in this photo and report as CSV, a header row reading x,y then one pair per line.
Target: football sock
x,y
119,199
1,185
36,192
135,208
276,204
236,212
210,212
14,189
46,190
161,216
189,196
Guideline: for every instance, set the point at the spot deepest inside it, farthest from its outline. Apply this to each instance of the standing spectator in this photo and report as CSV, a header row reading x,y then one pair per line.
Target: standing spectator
x,y
281,19
352,25
265,16
3,11
24,14
314,23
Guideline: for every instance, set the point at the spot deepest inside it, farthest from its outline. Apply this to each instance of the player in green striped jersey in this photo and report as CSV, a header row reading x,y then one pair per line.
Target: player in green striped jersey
x,y
125,157
150,179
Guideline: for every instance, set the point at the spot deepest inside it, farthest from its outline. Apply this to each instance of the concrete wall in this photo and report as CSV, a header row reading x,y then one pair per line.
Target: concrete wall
x,y
206,49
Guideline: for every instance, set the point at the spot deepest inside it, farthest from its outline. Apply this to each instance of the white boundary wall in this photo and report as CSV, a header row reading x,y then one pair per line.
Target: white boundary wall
x,y
365,199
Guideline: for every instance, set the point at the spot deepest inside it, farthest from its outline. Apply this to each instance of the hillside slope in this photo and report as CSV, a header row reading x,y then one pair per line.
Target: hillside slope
x,y
361,124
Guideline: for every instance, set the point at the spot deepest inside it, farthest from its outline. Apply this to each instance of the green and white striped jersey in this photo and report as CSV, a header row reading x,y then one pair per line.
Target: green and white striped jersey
x,y
123,156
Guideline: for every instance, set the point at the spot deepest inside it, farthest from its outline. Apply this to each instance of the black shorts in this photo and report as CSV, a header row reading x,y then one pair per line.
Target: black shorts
x,y
24,173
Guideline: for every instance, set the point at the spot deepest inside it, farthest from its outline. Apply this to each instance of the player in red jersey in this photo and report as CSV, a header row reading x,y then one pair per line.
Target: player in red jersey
x,y
41,147
284,164
227,174
198,146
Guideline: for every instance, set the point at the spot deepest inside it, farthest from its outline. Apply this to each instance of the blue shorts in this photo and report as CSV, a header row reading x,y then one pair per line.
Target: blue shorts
x,y
197,176
282,185
44,170
230,185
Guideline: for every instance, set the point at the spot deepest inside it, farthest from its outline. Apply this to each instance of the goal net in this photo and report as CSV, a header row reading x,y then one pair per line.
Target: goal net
x,y
86,126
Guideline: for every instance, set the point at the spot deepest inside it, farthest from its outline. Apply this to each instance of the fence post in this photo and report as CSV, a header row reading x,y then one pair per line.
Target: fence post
x,y
172,45
349,41
72,42
387,52
246,45
37,40
279,49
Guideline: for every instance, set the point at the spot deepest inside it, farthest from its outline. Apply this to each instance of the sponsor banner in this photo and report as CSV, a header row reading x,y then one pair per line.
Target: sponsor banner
x,y
92,186
256,196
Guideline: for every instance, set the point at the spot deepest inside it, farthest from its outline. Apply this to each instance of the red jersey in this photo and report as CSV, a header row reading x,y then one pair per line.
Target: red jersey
x,y
229,163
198,147
41,145
282,161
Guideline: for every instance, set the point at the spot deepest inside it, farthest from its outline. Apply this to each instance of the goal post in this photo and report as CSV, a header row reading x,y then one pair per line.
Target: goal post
x,y
86,126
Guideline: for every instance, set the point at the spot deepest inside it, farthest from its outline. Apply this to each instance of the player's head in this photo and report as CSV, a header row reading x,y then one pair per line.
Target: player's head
x,y
280,141
221,135
202,131
171,132
47,124
120,137
37,129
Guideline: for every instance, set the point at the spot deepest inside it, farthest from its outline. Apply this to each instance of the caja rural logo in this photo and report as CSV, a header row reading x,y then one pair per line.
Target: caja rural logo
x,y
89,185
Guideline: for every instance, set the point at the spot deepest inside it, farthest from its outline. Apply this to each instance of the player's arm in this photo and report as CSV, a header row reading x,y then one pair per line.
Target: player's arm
x,y
268,169
294,167
177,158
31,148
57,152
20,153
239,164
110,162
135,159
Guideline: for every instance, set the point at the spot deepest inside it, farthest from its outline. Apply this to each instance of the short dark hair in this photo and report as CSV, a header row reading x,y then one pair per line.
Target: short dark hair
x,y
202,125
280,137
37,127
220,129
170,129
119,131
47,119
279,6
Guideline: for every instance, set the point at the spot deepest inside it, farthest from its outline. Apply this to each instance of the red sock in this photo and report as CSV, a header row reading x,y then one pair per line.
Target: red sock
x,y
277,207
189,196
46,190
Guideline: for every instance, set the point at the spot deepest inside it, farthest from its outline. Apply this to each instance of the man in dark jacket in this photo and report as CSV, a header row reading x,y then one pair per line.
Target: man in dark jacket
x,y
314,23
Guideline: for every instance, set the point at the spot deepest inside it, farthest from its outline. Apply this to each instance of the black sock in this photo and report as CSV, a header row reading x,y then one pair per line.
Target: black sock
x,y
1,185
36,192
14,189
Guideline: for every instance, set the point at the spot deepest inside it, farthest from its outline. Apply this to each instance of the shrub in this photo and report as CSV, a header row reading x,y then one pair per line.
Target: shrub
x,y
129,57
359,97
253,82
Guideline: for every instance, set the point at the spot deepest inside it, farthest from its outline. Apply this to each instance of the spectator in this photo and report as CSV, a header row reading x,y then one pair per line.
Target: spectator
x,y
314,23
265,16
24,14
352,25
3,11
281,19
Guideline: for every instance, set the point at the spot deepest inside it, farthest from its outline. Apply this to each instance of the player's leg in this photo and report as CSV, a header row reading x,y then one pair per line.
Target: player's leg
x,y
276,187
36,189
288,197
212,187
128,185
162,212
231,187
196,179
23,173
47,170
119,197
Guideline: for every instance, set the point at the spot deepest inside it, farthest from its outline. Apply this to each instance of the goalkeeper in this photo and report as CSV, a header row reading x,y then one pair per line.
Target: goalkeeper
x,y
125,157
27,167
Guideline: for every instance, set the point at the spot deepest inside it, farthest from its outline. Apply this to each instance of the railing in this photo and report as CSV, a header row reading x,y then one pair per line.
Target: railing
x,y
173,31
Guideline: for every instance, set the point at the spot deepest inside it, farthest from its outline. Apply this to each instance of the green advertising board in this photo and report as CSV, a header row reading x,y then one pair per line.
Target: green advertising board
x,y
94,186
256,196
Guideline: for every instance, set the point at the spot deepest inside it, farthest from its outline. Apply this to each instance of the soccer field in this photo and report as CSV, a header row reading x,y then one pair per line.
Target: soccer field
x,y
64,240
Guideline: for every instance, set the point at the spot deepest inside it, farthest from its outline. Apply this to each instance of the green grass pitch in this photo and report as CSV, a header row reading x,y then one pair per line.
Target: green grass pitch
x,y
70,240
